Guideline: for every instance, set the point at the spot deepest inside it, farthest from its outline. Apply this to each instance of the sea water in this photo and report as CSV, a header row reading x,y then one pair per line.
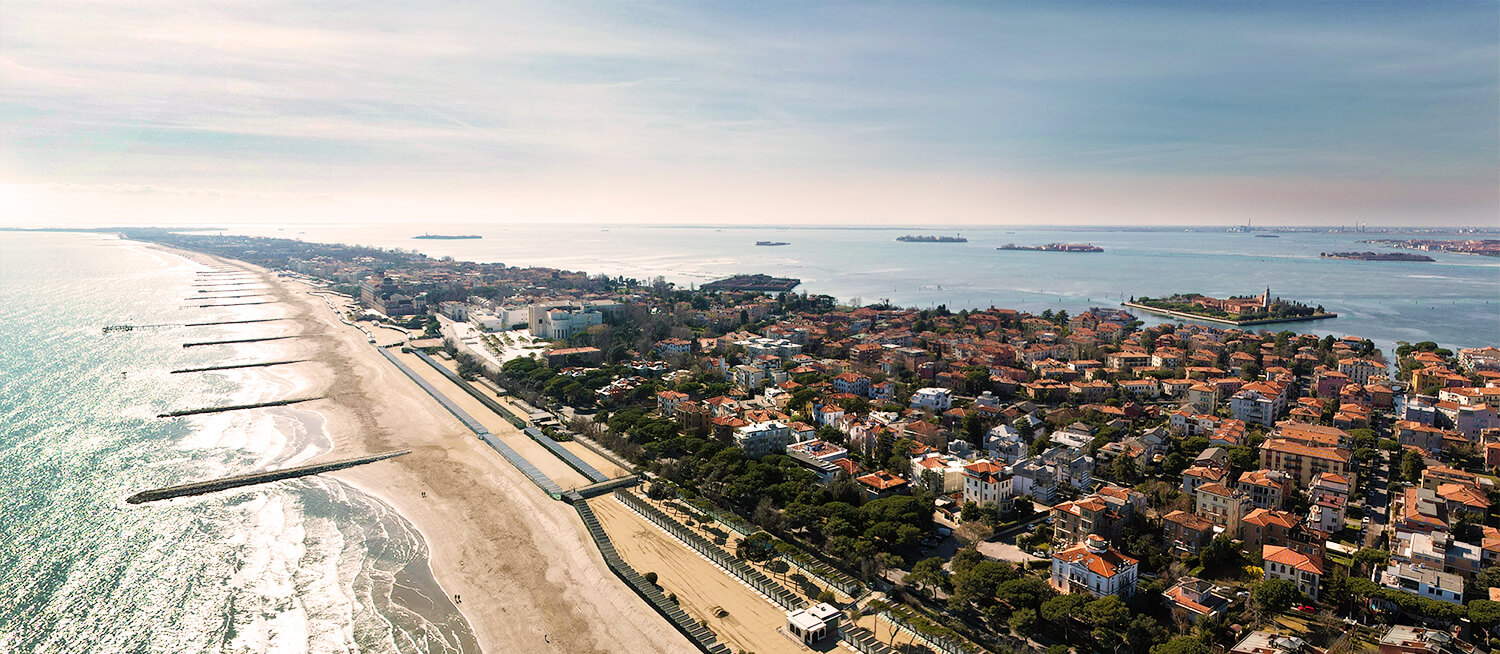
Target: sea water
x,y
297,566
1454,300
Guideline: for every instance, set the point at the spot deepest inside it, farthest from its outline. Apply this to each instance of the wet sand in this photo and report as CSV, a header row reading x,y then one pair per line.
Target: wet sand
x,y
529,577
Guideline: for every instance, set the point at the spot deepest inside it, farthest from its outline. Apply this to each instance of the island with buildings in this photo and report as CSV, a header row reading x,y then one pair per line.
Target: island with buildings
x,y
1003,477
1376,256
448,237
771,243
1488,247
1053,247
1238,310
925,238
761,283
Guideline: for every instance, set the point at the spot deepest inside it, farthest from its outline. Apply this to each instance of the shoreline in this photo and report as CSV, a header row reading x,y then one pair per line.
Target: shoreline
x,y
1224,321
522,563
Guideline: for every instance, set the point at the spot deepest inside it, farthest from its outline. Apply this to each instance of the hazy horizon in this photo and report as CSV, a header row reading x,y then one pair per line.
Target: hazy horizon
x,y
833,114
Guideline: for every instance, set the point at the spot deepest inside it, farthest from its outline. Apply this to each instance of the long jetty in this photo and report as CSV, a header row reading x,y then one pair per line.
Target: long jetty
x,y
263,364
254,478
244,340
236,304
230,322
253,281
223,297
236,407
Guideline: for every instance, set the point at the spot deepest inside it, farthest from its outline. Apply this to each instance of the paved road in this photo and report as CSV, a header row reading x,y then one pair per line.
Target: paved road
x,y
1377,503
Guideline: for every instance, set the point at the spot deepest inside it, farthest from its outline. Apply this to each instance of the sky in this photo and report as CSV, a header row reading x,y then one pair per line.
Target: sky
x,y
829,113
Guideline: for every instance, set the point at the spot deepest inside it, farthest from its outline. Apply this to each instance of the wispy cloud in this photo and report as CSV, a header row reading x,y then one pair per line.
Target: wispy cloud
x,y
483,101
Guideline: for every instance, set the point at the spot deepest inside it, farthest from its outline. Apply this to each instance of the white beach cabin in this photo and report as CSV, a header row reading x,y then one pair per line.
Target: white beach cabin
x,y
814,623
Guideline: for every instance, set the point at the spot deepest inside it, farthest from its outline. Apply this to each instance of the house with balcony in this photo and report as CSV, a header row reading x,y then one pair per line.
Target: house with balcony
x,y
1223,506
1192,598
936,400
1095,568
1304,571
1187,531
1267,488
1423,582
938,473
987,483
762,438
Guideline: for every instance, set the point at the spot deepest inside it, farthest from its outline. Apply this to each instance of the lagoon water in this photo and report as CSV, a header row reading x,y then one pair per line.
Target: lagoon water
x,y
301,566
1454,301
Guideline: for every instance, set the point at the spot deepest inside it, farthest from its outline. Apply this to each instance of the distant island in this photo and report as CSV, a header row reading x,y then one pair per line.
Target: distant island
x,y
1266,236
1238,310
909,238
763,283
771,243
1376,256
1488,247
1053,247
448,237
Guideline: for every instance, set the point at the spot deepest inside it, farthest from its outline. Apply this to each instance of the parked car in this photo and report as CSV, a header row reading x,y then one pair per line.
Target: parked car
x,y
1307,609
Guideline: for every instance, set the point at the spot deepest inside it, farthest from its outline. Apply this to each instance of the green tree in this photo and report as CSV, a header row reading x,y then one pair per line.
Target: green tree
x,y
1484,613
1024,622
757,547
978,584
1217,552
965,559
1367,559
1108,616
1062,609
1412,466
1488,578
928,573
1025,592
1181,645
1275,596
1143,633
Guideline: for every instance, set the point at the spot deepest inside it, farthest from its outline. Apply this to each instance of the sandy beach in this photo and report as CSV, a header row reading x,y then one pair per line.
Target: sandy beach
x,y
528,576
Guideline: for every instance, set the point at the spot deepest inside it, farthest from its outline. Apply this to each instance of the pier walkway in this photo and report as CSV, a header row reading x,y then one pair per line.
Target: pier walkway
x,y
541,480
236,481
244,340
235,407
235,366
535,434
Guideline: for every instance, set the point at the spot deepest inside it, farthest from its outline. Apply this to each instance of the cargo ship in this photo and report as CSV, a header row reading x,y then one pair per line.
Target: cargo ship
x,y
909,238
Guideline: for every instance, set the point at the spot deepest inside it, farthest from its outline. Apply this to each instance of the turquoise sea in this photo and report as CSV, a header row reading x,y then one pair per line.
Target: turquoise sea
x,y
302,566
1454,301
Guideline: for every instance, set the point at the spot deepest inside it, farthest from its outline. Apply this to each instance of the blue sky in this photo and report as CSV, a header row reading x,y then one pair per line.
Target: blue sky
x,y
766,112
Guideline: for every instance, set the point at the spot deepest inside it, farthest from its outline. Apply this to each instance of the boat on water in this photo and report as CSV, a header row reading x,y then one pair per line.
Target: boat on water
x,y
448,237
1053,247
769,244
1266,236
911,238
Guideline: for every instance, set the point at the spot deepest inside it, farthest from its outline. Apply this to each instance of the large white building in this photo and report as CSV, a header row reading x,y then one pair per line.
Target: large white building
x,y
1259,403
987,483
1423,582
762,438
932,399
562,322
1095,568
938,473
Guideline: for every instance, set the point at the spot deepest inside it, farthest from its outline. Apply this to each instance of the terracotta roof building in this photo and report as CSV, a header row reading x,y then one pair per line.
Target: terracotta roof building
x,y
1095,568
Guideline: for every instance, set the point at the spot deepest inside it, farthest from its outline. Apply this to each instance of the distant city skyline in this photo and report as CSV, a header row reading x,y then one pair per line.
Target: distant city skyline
x,y
1284,113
